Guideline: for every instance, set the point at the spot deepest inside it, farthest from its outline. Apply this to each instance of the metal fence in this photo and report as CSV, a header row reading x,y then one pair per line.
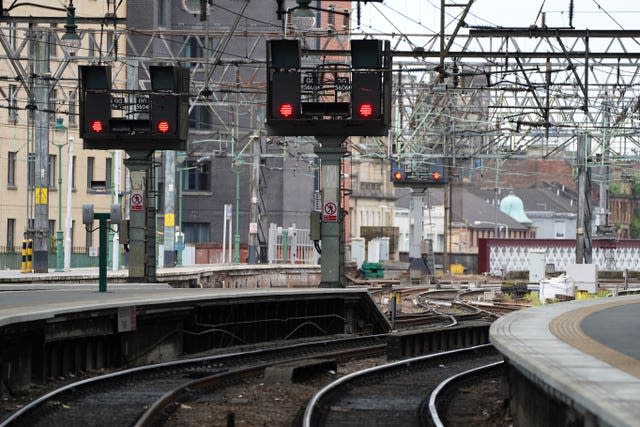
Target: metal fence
x,y
506,255
290,246
11,258
286,246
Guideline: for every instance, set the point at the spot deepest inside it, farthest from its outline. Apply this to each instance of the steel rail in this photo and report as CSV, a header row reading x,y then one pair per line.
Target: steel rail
x,y
151,415
433,397
42,400
310,410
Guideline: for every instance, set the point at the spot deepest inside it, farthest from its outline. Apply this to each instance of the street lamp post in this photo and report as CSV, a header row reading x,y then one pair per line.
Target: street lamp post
x,y
68,220
180,239
236,236
59,233
180,234
71,40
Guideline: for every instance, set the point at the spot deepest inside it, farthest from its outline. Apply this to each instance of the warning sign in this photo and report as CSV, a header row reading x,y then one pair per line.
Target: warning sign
x,y
137,202
330,212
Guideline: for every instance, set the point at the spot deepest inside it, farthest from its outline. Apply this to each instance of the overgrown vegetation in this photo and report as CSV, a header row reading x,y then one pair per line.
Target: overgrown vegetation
x,y
635,187
616,189
533,298
634,227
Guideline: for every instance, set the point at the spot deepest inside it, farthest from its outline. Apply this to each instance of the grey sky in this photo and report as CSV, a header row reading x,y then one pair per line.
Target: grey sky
x,y
423,16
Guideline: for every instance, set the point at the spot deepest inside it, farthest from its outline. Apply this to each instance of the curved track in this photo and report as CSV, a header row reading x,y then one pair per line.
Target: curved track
x,y
440,397
393,394
120,398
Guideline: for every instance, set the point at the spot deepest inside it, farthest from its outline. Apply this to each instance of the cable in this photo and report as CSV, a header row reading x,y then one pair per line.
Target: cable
x,y
608,14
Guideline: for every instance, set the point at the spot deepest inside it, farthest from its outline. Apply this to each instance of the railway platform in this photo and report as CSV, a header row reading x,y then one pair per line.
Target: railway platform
x,y
54,326
570,363
193,276
573,363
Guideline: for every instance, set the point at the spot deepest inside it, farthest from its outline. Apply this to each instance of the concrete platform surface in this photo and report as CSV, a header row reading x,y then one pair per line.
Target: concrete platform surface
x,y
27,305
584,353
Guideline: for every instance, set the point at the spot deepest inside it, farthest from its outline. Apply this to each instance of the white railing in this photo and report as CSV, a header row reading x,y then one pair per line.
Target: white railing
x,y
513,255
290,246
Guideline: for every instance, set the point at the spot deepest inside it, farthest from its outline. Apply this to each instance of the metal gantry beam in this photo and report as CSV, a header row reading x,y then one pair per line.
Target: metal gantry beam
x,y
489,92
507,86
549,79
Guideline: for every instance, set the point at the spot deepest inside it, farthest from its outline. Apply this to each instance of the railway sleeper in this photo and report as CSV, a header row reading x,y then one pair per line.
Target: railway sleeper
x,y
417,342
299,370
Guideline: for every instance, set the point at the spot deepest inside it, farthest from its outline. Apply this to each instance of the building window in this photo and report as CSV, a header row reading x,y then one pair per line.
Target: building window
x,y
108,177
196,232
90,170
51,181
111,41
73,172
439,243
72,108
200,118
92,45
11,234
95,185
73,229
52,227
52,42
193,49
13,103
12,34
196,176
161,13
11,168
53,101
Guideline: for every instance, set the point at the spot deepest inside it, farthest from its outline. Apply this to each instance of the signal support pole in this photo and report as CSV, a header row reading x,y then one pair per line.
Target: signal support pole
x,y
331,153
417,267
142,263
169,208
41,118
297,105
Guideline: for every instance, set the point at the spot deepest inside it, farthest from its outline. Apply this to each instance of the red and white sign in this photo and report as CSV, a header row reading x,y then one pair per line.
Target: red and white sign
x,y
330,212
137,202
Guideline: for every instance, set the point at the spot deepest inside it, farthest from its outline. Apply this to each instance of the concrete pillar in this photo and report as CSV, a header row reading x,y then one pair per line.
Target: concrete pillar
x,y
417,266
41,178
99,355
16,365
331,261
89,356
141,259
169,208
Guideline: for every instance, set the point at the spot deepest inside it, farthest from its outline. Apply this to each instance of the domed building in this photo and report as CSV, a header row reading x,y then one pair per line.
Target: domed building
x,y
512,205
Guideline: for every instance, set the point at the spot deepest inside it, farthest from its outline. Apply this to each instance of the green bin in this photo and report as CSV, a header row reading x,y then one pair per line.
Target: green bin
x,y
373,270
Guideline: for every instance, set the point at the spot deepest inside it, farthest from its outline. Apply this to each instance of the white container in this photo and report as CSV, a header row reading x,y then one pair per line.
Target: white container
x,y
583,276
357,250
537,265
373,250
384,249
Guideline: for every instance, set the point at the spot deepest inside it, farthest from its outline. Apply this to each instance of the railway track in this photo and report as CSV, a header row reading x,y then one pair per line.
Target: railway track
x,y
148,395
451,403
392,394
121,398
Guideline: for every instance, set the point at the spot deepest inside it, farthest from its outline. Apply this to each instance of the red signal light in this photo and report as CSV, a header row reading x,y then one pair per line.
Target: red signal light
x,y
398,176
365,110
286,110
436,176
163,126
96,126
